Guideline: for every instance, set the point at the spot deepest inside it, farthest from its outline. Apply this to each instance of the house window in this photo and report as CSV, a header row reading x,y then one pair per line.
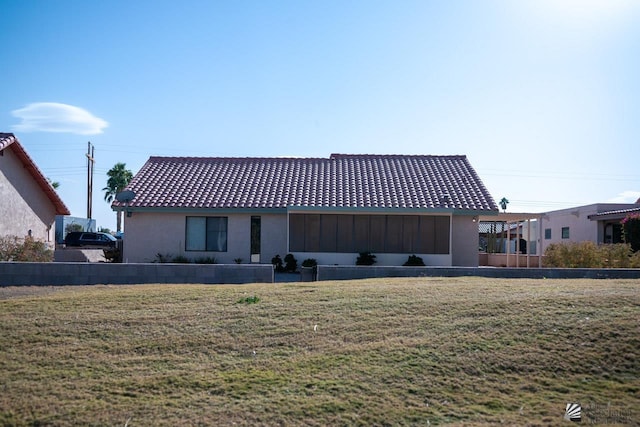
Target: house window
x,y
206,234
256,227
565,232
547,233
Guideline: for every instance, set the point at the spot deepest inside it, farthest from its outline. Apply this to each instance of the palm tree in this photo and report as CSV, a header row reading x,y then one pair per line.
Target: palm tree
x,y
54,184
503,203
119,178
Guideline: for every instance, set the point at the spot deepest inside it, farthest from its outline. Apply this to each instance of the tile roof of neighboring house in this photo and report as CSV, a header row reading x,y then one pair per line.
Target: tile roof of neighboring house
x,y
618,212
10,140
341,181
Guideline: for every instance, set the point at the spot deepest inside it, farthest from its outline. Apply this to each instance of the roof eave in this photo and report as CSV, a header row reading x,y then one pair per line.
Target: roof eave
x,y
38,176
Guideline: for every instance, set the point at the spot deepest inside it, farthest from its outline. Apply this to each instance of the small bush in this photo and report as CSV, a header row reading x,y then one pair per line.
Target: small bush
x,y
290,263
589,255
112,255
366,258
309,262
237,260
27,250
615,256
180,259
414,261
205,260
277,264
249,300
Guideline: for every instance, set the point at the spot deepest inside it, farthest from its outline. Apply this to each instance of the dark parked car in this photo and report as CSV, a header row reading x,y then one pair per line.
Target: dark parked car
x,y
81,238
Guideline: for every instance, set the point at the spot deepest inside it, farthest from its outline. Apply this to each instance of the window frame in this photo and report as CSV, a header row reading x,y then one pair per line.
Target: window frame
x,y
208,234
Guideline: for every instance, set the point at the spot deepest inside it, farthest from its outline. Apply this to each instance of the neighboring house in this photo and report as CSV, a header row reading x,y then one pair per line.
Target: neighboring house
x,y
598,223
29,202
329,209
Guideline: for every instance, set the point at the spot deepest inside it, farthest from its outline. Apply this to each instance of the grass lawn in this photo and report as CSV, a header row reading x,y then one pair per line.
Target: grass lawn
x,y
469,351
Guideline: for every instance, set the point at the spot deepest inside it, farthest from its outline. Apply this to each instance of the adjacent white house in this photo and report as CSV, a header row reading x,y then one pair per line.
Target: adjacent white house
x,y
598,223
329,209
29,202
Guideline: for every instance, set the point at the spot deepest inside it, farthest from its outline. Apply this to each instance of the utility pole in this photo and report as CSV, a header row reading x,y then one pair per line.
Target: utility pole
x,y
90,161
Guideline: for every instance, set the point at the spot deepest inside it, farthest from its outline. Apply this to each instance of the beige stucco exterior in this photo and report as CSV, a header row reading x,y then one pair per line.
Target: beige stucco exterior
x,y
25,207
150,233
580,226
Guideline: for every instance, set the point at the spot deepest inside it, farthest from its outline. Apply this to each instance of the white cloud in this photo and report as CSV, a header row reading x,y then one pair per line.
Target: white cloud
x,y
56,117
628,196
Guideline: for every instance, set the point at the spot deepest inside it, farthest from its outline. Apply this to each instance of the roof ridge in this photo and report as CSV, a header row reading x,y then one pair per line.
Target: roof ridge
x,y
340,155
333,156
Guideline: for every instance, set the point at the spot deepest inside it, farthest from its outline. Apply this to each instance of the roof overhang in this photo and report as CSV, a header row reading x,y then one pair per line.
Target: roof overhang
x,y
491,216
12,142
511,216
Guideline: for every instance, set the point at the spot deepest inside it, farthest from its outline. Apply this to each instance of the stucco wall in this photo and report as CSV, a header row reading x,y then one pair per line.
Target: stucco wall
x,y
24,205
581,228
147,234
464,241
274,237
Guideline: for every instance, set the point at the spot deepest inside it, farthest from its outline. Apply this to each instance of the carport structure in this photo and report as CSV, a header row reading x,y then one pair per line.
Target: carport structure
x,y
513,226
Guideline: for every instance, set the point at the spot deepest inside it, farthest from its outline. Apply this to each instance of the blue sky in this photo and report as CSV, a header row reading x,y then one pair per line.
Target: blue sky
x,y
542,96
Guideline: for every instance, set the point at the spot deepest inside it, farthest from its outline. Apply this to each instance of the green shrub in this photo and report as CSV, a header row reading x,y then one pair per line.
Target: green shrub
x,y
631,231
414,261
588,255
290,263
249,300
27,250
205,260
366,258
309,262
277,264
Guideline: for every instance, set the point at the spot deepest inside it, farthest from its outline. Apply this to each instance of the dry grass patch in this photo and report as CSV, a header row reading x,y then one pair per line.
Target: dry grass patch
x,y
372,352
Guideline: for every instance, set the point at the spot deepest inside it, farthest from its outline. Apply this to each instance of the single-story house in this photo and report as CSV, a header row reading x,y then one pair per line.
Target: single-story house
x,y
329,209
598,223
29,202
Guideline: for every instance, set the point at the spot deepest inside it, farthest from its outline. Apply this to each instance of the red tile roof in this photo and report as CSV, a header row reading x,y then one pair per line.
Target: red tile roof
x,y
9,140
341,181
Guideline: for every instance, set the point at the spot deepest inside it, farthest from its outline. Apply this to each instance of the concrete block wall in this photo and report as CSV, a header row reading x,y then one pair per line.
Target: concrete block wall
x,y
77,273
349,272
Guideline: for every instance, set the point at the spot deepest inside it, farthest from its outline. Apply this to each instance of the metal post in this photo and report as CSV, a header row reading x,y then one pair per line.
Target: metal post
x,y
90,163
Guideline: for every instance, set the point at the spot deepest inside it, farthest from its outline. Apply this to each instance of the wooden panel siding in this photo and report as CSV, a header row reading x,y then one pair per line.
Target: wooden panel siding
x,y
346,242
421,234
441,239
328,233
